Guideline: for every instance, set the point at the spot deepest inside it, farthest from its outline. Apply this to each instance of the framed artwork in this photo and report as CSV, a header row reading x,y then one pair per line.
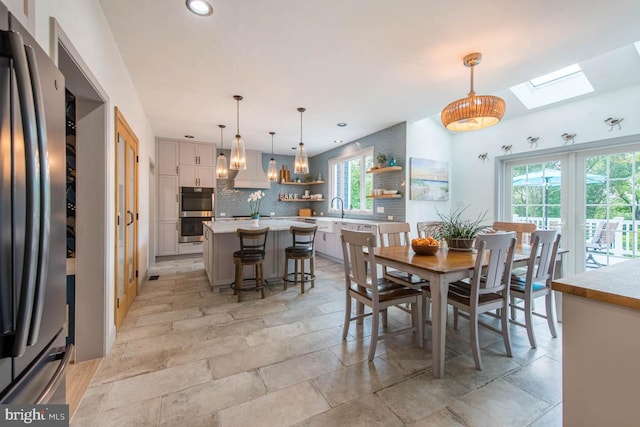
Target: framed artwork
x,y
429,179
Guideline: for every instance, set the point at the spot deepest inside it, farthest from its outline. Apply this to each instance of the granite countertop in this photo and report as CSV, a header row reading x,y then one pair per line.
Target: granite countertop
x,y
617,284
221,227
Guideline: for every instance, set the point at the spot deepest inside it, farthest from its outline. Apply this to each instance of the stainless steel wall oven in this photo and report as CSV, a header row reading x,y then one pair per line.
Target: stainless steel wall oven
x,y
196,205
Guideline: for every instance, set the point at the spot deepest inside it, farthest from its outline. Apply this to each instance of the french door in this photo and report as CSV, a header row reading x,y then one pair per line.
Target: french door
x,y
126,218
592,196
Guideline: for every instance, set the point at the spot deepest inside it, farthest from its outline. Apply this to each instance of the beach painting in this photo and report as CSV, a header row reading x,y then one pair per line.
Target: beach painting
x,y
429,179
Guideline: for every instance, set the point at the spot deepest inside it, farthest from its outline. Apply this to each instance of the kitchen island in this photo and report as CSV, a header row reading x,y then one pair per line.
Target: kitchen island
x,y
600,346
220,241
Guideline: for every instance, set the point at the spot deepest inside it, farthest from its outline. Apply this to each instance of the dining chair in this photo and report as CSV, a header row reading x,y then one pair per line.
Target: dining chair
x,y
429,229
487,289
537,283
397,234
363,286
523,230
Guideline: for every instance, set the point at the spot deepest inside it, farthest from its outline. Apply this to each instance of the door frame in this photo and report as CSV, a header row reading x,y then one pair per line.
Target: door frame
x,y
122,127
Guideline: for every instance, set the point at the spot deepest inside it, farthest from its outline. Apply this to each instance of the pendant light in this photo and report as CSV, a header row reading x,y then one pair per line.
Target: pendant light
x,y
238,157
474,111
221,163
272,173
301,162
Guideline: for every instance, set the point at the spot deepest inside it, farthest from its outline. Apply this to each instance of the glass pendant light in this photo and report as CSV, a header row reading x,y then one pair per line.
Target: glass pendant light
x,y
221,163
301,162
238,158
272,173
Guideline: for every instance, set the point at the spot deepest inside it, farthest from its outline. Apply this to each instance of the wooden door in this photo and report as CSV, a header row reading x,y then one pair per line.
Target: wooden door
x,y
126,218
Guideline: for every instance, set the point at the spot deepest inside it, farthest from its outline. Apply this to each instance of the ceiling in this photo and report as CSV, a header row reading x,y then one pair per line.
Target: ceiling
x,y
369,63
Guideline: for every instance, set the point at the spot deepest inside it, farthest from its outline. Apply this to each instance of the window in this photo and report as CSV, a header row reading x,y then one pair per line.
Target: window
x,y
348,180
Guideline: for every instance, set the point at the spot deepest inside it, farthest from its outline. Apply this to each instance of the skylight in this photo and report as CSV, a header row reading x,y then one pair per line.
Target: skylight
x,y
556,86
637,44
556,75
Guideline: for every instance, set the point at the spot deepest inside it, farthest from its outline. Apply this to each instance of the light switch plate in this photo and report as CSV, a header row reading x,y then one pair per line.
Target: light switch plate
x,y
390,217
380,209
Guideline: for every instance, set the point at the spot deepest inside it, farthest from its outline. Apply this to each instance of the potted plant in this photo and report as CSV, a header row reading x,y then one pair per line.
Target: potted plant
x,y
254,205
381,160
460,233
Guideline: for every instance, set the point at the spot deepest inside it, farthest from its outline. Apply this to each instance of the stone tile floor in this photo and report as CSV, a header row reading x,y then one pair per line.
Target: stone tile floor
x,y
188,357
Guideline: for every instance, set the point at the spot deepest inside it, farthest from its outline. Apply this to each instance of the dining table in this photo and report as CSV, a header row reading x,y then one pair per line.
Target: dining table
x,y
440,269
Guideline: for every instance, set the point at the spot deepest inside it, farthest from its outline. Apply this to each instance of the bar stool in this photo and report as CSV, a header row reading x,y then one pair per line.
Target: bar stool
x,y
302,249
252,252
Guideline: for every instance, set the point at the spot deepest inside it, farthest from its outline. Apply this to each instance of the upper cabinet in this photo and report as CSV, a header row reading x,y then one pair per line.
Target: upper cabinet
x,y
193,154
168,153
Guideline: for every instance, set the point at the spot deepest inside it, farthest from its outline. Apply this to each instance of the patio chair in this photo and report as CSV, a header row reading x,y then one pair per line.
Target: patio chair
x,y
602,240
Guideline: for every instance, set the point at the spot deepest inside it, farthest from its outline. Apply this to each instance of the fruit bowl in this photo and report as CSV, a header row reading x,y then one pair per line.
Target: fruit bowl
x,y
425,249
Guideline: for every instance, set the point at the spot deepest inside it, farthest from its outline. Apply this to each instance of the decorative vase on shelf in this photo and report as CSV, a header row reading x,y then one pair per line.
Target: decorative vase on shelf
x,y
391,161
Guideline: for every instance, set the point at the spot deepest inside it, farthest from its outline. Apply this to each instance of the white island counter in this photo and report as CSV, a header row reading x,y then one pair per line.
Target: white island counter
x,y
220,241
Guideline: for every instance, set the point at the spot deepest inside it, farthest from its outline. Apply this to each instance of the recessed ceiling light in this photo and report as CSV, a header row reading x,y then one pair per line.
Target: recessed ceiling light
x,y
189,136
200,7
342,124
337,141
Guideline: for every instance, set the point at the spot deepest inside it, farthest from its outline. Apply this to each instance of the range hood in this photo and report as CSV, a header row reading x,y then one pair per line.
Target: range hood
x,y
254,176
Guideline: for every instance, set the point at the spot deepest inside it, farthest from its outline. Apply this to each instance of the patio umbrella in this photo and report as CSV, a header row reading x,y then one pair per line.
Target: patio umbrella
x,y
546,178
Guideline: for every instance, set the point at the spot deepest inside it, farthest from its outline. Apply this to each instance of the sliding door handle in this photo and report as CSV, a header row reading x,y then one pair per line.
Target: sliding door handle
x,y
130,217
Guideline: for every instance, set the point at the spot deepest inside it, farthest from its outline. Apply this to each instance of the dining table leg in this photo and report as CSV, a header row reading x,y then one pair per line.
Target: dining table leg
x,y
439,291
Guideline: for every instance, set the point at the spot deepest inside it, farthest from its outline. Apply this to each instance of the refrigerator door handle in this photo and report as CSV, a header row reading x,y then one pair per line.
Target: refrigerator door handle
x,y
58,376
32,179
45,194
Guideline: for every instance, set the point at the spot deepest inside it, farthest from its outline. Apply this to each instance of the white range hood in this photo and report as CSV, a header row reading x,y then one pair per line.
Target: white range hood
x,y
254,176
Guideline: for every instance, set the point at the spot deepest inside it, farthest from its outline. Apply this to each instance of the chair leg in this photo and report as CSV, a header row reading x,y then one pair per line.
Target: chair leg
x,y
239,274
455,318
384,317
347,317
375,319
261,280
513,307
505,331
313,271
286,272
551,313
295,272
528,320
302,276
475,343
417,309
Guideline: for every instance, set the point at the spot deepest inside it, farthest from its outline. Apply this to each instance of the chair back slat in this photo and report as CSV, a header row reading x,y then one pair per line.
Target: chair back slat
x,y
523,230
359,265
497,250
429,229
394,234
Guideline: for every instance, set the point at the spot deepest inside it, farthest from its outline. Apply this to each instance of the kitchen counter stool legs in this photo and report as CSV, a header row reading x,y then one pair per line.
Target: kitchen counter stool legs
x,y
301,250
252,252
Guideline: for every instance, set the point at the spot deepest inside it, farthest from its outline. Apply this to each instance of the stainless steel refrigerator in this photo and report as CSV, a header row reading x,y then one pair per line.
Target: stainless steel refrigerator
x,y
33,355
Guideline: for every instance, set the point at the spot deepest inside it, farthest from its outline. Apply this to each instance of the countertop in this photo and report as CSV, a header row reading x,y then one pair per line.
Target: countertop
x,y
617,284
221,227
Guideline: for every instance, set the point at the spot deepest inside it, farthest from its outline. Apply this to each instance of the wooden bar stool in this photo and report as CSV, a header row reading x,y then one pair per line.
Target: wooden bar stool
x,y
301,250
252,251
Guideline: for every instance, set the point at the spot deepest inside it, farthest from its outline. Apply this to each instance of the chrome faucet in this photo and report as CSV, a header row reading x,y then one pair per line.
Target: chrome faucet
x,y
341,205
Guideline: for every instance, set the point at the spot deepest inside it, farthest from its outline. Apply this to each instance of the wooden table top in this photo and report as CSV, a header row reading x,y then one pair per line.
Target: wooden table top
x,y
616,284
444,261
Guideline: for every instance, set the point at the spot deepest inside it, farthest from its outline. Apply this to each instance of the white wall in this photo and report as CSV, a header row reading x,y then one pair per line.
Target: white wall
x,y
87,28
426,139
475,180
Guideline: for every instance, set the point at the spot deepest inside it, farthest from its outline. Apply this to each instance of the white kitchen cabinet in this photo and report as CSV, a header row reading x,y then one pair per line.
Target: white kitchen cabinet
x,y
197,176
168,198
192,153
168,154
167,238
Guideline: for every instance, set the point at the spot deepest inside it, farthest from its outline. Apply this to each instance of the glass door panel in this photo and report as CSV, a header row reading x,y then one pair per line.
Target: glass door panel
x,y
536,194
121,220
